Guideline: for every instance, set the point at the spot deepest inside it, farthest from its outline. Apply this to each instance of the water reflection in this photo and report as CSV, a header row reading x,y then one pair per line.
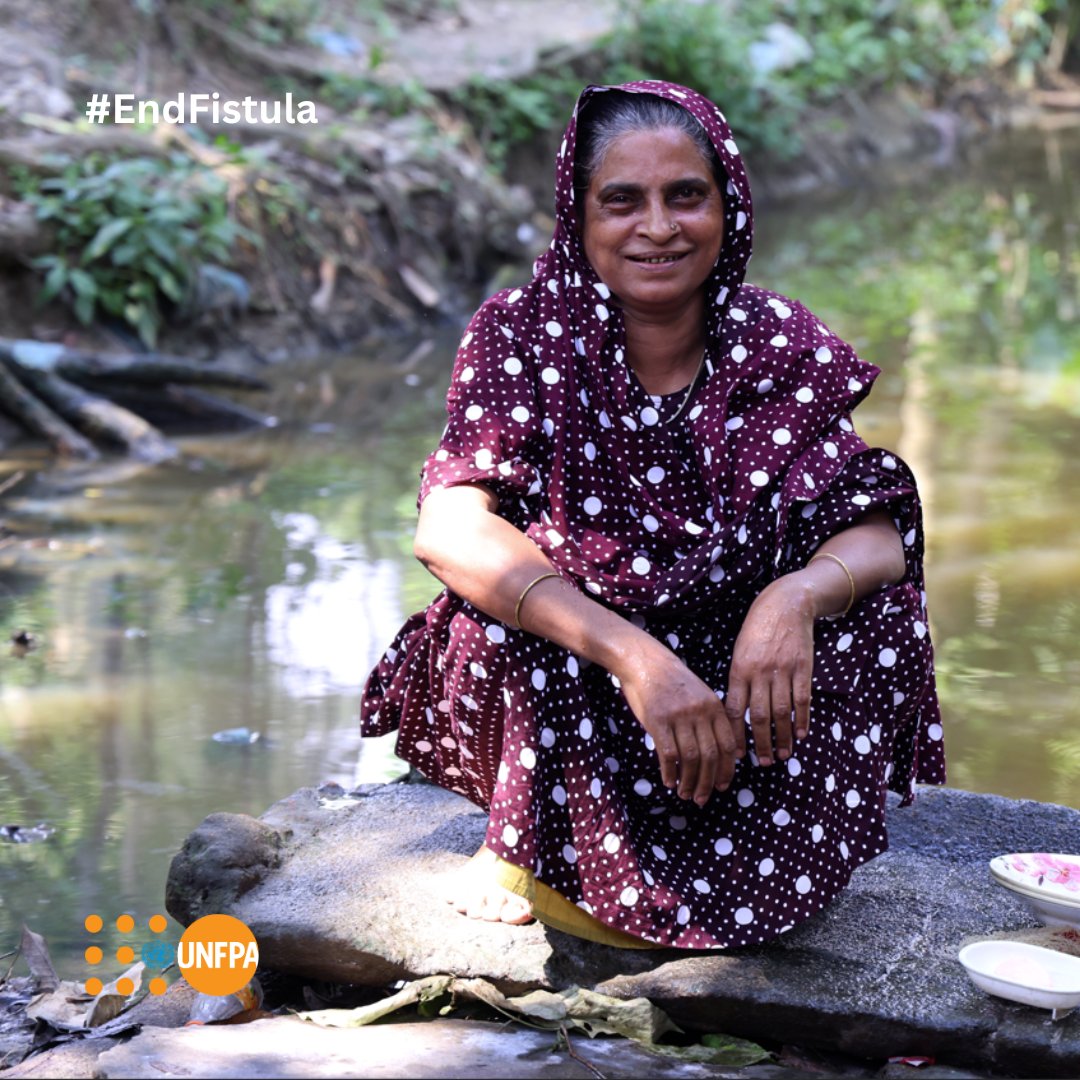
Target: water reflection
x,y
965,293
257,590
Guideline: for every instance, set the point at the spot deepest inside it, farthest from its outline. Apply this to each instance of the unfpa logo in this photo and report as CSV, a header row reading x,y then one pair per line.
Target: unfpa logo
x,y
155,954
218,955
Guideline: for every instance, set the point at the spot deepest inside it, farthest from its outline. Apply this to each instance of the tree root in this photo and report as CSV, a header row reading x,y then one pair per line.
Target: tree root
x,y
64,395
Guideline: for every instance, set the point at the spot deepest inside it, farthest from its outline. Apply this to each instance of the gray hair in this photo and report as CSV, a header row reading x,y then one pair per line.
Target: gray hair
x,y
614,113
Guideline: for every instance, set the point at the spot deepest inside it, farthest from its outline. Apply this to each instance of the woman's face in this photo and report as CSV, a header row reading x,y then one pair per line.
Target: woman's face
x,y
648,181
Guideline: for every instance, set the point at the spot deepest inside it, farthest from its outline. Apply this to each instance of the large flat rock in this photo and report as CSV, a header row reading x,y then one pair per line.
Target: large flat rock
x,y
346,889
290,1049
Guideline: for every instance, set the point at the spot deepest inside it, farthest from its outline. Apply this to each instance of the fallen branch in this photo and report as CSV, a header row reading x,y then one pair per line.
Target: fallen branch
x,y
48,387
154,368
100,418
7,485
200,403
1058,99
38,418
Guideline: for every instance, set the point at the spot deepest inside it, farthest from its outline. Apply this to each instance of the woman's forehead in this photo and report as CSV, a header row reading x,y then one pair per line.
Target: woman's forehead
x,y
650,156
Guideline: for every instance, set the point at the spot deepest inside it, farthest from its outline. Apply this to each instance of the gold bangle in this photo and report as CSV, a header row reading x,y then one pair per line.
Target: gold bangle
x,y
851,581
525,592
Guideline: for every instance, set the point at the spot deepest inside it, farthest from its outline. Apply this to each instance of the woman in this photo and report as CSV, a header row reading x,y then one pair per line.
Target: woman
x,y
682,650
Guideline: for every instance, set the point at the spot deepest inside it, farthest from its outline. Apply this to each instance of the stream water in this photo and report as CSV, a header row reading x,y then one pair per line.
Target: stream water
x,y
254,587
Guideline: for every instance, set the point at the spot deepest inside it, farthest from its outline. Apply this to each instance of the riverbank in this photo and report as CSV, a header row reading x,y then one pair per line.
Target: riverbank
x,y
342,892
427,173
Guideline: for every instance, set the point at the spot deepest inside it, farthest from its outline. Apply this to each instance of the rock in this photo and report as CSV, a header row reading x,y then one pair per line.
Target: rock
x,y
781,48
346,889
72,1061
503,40
286,1047
227,855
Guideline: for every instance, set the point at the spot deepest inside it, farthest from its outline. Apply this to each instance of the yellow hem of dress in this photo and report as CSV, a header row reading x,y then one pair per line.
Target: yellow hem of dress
x,y
554,910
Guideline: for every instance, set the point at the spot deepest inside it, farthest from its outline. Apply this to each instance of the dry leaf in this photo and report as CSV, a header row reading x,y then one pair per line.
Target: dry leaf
x,y
109,1003
36,954
585,1010
409,994
63,1008
601,1014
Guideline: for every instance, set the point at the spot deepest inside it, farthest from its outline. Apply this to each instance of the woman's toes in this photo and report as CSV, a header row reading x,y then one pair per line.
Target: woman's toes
x,y
517,911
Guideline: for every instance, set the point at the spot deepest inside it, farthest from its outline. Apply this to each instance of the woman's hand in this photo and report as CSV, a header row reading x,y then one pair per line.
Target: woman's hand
x,y
771,669
694,741
773,659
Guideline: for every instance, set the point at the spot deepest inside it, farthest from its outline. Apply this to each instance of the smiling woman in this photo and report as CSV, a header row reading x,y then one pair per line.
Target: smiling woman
x,y
682,649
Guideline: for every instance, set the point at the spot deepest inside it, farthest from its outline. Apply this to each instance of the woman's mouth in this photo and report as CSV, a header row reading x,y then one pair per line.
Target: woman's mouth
x,y
656,260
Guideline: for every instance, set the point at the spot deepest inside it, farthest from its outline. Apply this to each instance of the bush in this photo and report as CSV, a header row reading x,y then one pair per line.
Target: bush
x,y
130,234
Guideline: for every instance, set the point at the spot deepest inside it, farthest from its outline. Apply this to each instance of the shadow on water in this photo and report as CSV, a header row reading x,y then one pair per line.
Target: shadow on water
x,y
256,591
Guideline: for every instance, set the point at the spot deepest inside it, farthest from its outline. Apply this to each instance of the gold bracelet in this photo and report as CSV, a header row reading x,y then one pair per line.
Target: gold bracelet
x,y
851,581
525,592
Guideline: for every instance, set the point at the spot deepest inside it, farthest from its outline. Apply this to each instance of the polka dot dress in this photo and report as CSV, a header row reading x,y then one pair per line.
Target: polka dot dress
x,y
674,511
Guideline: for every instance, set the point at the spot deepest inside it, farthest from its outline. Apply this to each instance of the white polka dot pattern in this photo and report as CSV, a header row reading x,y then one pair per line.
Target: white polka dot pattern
x,y
677,527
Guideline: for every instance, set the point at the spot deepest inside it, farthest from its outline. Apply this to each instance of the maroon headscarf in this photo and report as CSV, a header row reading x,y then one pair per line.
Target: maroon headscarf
x,y
545,411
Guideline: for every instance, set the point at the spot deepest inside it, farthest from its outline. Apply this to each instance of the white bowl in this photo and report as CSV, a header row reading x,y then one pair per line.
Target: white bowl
x,y
1050,883
1028,974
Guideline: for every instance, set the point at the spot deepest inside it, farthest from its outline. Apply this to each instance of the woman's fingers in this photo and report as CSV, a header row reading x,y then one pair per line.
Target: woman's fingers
x,y
735,710
667,753
800,693
726,745
780,696
761,720
690,760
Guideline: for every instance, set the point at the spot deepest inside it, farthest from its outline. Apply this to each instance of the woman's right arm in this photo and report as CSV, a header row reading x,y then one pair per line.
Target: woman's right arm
x,y
487,561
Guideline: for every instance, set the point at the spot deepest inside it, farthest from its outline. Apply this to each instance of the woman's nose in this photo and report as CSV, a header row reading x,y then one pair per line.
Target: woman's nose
x,y
655,222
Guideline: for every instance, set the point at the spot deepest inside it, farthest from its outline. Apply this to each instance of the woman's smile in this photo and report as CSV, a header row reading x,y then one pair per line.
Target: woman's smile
x,y
654,221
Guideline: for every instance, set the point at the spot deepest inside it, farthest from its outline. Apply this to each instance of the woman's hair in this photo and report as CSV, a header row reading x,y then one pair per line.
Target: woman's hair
x,y
614,113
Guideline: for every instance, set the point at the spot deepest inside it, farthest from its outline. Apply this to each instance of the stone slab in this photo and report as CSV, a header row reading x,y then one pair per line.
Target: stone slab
x,y
346,889
289,1049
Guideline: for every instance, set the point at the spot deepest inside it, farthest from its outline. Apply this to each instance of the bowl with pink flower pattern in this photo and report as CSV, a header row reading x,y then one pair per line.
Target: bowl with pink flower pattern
x,y
1050,883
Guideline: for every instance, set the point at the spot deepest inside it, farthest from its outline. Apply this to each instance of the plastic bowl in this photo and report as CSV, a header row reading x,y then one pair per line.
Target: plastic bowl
x,y
1050,883
1028,974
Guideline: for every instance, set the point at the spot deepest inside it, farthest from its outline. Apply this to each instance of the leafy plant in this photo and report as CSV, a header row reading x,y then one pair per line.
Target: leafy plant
x,y
507,113
130,234
854,45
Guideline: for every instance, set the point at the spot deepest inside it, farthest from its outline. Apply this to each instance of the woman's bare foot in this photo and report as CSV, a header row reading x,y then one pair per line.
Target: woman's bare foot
x,y
473,891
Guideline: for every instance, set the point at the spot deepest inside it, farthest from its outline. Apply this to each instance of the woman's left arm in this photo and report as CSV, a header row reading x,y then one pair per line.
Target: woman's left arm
x,y
774,653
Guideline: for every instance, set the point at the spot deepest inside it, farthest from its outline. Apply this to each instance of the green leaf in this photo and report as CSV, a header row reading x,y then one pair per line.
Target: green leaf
x,y
125,254
82,283
716,1050
106,236
55,280
84,309
170,286
148,327
158,241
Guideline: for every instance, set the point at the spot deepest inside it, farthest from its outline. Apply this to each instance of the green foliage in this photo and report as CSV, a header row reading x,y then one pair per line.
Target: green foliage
x,y
130,234
362,95
506,114
856,45
275,22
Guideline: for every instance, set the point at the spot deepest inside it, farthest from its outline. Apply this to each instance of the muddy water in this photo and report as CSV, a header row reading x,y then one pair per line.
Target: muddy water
x,y
250,591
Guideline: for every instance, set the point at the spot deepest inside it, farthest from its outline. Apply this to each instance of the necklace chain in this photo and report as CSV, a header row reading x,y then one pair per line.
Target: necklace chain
x,y
689,390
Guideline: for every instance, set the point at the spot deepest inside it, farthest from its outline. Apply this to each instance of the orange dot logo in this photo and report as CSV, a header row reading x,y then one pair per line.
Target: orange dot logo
x,y
217,955
154,954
